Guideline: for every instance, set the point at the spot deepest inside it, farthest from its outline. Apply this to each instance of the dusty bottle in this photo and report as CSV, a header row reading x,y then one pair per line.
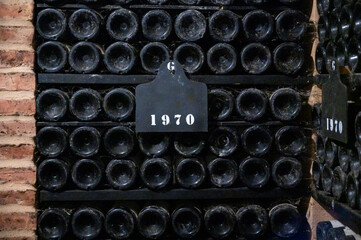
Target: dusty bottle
x,y
286,104
222,58
190,56
341,52
122,24
287,172
190,172
326,177
317,115
282,227
256,58
119,141
87,223
338,183
122,174
223,25
254,172
120,222
222,172
156,173
341,234
256,140
157,25
52,104
52,174
291,25
87,174
323,228
53,223
288,58
85,57
346,20
220,221
85,104
223,141
258,25
187,221
334,20
153,144
51,141
51,23
190,25
52,56
85,24
153,221
323,28
344,159
251,104
119,58
221,104
153,55
119,104
290,140
352,191
189,144
252,221
330,153
85,141
317,168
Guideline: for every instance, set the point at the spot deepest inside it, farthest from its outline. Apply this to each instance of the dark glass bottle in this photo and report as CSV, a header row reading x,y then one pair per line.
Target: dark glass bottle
x,y
338,183
119,141
251,104
288,58
252,221
53,223
256,140
159,2
190,2
190,25
51,23
85,24
358,127
334,23
189,144
330,153
52,104
222,58
320,148
317,115
291,25
352,191
285,220
222,172
220,104
323,228
346,20
190,56
286,104
156,173
323,6
258,25
153,221
326,177
119,104
153,144
317,169
354,56
85,141
355,161
52,174
87,223
51,141
254,172
356,26
87,174
330,50
190,172
186,222
256,58
157,25
223,141
122,24
223,25
287,172
323,28
85,57
52,56
221,2
153,55
119,58
341,52
120,223
341,234
290,140
344,158
122,174
220,221
85,104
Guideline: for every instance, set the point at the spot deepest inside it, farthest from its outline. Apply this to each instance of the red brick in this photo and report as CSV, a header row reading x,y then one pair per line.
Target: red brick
x,y
18,238
14,58
17,175
17,106
17,81
15,197
18,128
16,152
16,34
12,221
16,10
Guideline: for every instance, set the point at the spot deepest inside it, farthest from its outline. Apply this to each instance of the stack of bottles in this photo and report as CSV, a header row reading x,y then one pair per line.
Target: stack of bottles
x,y
334,230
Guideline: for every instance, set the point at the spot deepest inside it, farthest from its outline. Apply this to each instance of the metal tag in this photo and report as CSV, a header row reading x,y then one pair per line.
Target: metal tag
x,y
334,105
171,102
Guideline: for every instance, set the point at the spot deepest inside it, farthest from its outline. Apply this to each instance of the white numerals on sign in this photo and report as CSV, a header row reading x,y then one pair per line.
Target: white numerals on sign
x,y
166,120
334,125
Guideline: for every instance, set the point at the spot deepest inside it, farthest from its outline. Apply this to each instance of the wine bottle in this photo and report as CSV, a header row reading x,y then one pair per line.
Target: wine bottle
x,y
51,141
221,2
327,178
258,25
157,25
85,141
317,169
156,173
85,104
190,25
52,56
358,127
356,26
122,24
189,144
354,56
341,234
153,55
51,23
286,104
287,172
222,58
354,155
153,221
85,24
343,158
123,1
320,148
346,20
119,58
122,174
288,58
256,2
222,172
223,26
153,144
252,221
157,1
330,153
338,183
220,221
317,115
334,20
352,191
256,140
119,104
84,57
87,174
251,104
53,223
285,220
254,172
119,141
256,58
52,104
186,222
341,52
52,174
190,2
291,25
190,56
323,228
87,223
120,223
220,104
290,140
323,6
323,29
330,50
223,141
190,172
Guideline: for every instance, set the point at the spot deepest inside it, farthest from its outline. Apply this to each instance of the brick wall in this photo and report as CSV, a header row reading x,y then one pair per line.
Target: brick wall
x,y
17,124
